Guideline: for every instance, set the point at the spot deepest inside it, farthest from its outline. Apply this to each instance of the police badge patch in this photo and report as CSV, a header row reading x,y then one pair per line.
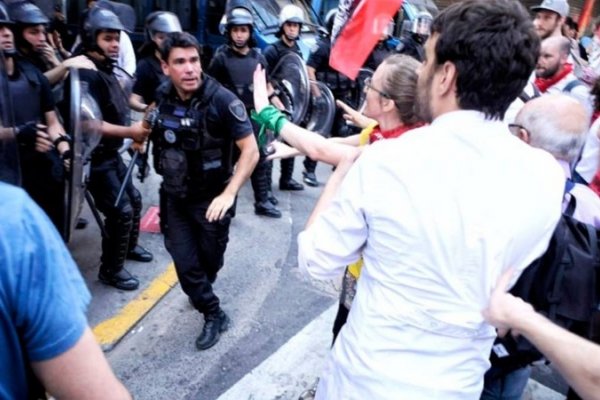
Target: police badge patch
x,y
238,110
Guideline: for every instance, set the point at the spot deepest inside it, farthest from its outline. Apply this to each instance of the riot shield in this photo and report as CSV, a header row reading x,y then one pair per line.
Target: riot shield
x,y
9,151
290,80
321,111
358,95
86,132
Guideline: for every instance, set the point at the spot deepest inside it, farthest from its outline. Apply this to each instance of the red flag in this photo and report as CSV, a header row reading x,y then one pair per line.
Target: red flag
x,y
360,33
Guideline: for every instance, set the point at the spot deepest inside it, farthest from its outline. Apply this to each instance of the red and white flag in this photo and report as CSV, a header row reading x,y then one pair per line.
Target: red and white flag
x,y
357,28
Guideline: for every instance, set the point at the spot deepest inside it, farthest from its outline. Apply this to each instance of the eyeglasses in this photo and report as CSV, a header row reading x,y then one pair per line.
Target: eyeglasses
x,y
514,129
368,84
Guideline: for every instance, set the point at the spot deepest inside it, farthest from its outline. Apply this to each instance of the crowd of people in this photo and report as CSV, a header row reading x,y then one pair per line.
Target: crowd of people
x,y
460,188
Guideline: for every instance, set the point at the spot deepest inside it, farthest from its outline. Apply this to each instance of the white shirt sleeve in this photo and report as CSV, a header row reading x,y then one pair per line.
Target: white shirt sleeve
x,y
338,235
126,54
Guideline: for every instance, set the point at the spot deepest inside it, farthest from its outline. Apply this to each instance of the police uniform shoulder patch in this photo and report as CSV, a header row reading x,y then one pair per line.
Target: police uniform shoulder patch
x,y
238,110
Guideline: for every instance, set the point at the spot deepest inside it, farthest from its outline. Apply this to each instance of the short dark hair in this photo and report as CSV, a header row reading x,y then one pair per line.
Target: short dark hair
x,y
494,47
178,39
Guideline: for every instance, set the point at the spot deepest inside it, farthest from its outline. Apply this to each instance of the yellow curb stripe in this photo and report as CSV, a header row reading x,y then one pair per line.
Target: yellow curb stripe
x,y
110,331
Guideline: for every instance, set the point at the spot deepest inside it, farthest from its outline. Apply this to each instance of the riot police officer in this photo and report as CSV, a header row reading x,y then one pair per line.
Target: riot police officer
x,y
233,67
382,49
198,126
148,74
291,18
100,43
31,40
412,42
342,87
42,150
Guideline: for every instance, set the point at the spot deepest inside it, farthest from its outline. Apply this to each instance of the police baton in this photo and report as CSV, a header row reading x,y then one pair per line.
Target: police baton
x,y
148,122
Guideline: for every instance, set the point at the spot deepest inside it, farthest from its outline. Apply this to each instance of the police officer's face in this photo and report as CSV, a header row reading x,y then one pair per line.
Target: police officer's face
x,y
545,23
291,29
184,69
7,41
108,41
159,38
240,35
35,36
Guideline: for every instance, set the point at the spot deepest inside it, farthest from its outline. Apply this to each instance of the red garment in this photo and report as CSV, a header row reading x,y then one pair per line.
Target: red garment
x,y
544,83
378,134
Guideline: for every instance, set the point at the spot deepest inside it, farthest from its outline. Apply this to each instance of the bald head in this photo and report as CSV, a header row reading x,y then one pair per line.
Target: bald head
x,y
556,123
554,54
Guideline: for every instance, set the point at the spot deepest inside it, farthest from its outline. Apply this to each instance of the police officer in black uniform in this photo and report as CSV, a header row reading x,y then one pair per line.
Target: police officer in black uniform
x,y
148,74
291,19
233,67
341,86
198,126
100,43
42,148
412,43
32,43
381,50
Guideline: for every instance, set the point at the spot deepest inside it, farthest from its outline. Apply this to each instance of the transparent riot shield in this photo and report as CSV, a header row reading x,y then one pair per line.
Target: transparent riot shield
x,y
9,151
290,80
321,110
358,94
86,125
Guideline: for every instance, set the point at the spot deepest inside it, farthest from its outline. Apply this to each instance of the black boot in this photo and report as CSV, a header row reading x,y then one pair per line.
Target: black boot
x,y
260,184
309,172
269,174
136,252
121,279
214,325
287,170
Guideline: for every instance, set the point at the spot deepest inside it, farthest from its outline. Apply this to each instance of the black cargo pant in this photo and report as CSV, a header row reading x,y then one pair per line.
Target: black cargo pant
x,y
122,222
196,246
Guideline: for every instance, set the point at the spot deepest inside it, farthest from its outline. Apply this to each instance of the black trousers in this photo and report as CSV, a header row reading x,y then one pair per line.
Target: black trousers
x,y
196,246
122,222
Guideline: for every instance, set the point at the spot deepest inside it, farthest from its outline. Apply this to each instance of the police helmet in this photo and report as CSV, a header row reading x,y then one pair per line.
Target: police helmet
x,y
239,16
330,20
161,21
4,17
97,20
25,13
291,13
422,24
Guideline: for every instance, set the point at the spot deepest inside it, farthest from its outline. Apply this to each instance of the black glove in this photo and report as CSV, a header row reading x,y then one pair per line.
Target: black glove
x,y
26,133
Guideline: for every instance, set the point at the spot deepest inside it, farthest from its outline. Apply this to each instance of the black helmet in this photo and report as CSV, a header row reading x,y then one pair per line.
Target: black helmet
x,y
239,16
25,13
4,17
97,20
161,21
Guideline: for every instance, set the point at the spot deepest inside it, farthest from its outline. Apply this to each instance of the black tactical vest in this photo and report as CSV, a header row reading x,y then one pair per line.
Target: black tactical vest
x,y
240,70
192,162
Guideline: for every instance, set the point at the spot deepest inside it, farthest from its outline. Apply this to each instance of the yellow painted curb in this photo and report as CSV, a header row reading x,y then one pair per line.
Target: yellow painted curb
x,y
109,332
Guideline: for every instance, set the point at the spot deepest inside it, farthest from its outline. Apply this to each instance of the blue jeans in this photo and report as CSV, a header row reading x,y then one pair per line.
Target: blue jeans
x,y
498,386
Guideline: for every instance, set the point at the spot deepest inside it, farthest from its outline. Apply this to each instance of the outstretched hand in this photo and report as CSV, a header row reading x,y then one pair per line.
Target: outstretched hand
x,y
350,114
505,310
261,97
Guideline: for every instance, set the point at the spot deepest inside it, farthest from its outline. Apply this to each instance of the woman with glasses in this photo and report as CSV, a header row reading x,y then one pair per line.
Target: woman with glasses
x,y
388,113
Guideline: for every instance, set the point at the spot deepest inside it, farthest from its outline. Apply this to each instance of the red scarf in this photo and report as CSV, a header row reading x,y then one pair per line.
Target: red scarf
x,y
544,83
378,134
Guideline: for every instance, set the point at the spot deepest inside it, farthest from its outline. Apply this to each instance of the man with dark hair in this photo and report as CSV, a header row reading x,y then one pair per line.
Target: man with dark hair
x,y
436,217
199,123
233,67
100,43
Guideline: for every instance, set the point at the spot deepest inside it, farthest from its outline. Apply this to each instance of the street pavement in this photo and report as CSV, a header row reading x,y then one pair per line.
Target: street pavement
x,y
281,329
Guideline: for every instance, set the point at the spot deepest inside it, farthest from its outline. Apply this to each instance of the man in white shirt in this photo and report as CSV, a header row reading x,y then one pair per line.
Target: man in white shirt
x,y
438,215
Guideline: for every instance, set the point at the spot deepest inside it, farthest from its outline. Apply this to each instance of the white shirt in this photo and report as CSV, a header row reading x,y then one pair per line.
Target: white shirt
x,y
580,93
437,214
589,162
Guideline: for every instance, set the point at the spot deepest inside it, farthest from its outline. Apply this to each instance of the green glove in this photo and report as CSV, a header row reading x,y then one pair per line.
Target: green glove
x,y
268,118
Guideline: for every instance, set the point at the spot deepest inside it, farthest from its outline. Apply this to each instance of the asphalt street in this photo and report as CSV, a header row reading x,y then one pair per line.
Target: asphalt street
x,y
280,333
